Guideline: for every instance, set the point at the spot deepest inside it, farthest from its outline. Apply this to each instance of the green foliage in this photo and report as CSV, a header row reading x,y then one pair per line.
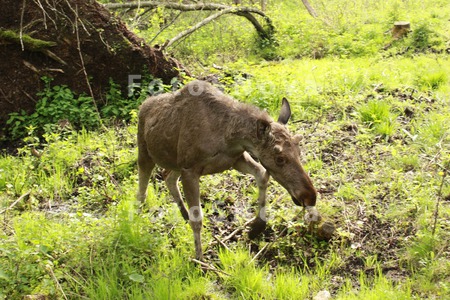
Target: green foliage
x,y
56,104
432,81
378,116
59,109
421,37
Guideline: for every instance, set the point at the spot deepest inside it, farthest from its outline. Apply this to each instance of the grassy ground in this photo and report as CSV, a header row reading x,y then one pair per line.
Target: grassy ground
x,y
376,144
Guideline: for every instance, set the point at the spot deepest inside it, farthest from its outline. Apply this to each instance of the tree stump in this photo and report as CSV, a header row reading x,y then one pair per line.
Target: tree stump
x,y
400,29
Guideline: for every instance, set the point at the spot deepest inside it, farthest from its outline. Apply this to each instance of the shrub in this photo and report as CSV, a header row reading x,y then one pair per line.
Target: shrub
x,y
56,104
421,37
378,116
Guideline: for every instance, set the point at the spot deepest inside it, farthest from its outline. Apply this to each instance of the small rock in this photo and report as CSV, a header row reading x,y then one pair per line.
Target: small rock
x,y
322,295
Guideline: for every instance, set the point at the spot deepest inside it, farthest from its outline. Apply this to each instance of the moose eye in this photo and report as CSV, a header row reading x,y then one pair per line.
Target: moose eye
x,y
280,161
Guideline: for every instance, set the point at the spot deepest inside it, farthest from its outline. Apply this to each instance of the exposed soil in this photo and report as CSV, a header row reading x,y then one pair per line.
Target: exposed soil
x,y
89,43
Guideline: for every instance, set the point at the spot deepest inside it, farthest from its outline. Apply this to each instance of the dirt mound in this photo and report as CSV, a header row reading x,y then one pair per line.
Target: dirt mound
x,y
69,41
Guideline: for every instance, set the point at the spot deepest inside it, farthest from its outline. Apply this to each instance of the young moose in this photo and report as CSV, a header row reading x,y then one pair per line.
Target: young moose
x,y
198,130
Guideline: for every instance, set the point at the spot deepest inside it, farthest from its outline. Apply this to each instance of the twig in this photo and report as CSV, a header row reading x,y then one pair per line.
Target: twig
x,y
165,27
232,234
50,269
267,246
6,97
54,56
15,202
209,267
259,252
44,13
53,70
82,63
439,197
221,242
21,25
237,231
75,11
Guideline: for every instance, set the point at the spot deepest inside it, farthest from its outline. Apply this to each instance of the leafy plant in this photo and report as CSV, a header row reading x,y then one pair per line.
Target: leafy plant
x,y
421,37
56,104
432,80
378,116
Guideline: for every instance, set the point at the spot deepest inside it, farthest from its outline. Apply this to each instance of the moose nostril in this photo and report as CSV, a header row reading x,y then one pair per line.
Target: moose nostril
x,y
297,202
306,198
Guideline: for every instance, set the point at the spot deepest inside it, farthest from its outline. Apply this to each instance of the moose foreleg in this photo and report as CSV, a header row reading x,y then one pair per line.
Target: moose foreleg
x,y
191,182
246,164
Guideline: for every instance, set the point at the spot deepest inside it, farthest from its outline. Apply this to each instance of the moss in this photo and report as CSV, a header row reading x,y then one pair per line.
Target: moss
x,y
29,43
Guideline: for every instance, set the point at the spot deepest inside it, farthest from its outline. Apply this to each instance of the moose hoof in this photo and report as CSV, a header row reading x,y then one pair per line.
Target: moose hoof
x,y
256,227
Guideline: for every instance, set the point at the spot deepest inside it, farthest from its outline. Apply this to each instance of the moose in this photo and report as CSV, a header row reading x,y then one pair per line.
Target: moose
x,y
198,130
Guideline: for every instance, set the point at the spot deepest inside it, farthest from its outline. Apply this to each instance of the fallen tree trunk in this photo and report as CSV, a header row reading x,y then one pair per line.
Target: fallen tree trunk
x,y
232,10
246,12
78,43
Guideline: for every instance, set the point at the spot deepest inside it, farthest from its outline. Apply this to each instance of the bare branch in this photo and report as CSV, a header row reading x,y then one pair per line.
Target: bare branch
x,y
170,5
15,202
310,9
245,12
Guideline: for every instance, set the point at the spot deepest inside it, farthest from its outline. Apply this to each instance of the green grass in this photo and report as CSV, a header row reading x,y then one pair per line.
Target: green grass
x,y
77,234
376,144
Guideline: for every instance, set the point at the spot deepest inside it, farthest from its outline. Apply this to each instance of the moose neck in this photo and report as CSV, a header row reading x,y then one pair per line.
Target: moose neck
x,y
242,129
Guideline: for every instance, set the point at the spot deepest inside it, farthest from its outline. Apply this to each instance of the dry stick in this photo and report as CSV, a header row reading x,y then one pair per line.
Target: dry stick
x,y
75,11
82,64
49,268
266,247
221,242
259,252
43,12
21,25
439,197
209,267
237,231
165,27
15,202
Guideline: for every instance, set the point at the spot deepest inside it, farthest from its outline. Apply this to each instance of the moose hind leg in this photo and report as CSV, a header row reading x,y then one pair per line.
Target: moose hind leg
x,y
171,179
191,182
246,164
145,167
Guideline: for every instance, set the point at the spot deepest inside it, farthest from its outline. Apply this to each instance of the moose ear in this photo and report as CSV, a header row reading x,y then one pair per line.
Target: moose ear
x,y
285,112
262,129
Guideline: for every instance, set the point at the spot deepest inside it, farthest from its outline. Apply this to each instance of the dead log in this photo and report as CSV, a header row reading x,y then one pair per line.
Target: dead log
x,y
80,39
246,12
